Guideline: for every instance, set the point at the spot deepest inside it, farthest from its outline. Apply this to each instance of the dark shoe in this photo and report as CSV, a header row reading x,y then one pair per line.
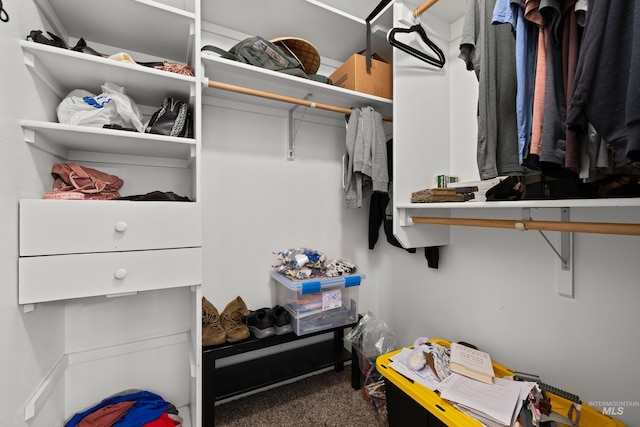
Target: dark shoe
x,y
212,331
234,319
81,46
260,323
510,188
38,37
281,320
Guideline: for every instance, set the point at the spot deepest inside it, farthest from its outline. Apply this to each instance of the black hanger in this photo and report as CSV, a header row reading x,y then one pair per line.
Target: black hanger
x,y
417,28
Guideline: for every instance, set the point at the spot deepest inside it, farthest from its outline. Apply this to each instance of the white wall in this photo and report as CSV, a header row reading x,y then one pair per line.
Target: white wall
x,y
31,342
256,202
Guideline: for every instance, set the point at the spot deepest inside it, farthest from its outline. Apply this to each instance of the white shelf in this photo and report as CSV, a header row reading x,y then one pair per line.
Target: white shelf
x,y
336,27
63,140
533,204
336,35
153,27
64,70
231,72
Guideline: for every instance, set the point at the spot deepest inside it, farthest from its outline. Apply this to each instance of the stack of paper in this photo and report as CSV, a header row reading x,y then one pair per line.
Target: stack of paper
x,y
495,405
425,376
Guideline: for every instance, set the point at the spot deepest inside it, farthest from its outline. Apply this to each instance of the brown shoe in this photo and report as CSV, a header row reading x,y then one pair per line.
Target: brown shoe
x,y
212,331
234,320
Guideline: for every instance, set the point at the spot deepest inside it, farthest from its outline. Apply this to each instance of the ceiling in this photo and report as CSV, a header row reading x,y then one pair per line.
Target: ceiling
x,y
447,10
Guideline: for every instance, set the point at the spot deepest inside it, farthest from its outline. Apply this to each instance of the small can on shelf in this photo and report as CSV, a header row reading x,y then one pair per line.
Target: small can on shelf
x,y
319,303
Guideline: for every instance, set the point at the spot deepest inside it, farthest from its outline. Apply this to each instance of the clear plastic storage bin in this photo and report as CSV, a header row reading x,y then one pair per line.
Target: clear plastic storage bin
x,y
319,303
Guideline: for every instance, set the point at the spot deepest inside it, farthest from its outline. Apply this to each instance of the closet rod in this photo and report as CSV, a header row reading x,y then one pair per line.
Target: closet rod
x,y
573,227
422,9
283,98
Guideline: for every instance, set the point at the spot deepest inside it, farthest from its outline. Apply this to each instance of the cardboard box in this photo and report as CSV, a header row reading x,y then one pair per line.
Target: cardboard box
x,y
353,75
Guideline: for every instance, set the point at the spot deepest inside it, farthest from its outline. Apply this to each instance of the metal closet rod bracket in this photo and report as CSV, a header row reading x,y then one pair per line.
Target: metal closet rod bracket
x,y
291,142
564,277
565,250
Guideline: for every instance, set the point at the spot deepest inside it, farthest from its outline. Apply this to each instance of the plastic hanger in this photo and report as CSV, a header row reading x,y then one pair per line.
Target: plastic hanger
x,y
417,28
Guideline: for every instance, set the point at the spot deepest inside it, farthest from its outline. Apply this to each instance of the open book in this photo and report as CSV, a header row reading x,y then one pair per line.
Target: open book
x,y
471,363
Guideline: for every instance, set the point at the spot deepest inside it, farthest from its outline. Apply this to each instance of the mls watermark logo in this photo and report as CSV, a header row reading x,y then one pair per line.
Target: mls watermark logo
x,y
614,408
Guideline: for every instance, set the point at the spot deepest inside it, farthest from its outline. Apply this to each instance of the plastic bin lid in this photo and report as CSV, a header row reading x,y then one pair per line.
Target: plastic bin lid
x,y
316,284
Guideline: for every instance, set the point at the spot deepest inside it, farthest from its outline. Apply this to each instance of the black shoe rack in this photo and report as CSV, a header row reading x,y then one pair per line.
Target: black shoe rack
x,y
233,380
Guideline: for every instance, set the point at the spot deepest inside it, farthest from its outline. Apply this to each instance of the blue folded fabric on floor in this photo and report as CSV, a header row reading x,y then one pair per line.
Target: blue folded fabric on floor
x,y
148,407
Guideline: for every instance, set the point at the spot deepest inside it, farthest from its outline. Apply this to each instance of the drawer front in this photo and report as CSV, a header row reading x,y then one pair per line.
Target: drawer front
x,y
49,227
60,277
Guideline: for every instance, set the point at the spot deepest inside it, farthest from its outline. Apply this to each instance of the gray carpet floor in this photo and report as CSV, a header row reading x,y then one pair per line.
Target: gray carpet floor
x,y
326,399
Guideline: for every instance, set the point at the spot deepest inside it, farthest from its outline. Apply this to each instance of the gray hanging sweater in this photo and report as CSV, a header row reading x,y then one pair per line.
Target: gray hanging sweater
x,y
365,169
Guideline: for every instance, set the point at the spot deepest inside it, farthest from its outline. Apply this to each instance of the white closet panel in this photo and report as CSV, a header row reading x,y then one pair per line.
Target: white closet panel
x,y
421,127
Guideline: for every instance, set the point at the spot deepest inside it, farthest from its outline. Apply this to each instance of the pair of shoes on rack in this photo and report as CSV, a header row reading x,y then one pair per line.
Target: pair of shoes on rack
x,y
229,326
266,322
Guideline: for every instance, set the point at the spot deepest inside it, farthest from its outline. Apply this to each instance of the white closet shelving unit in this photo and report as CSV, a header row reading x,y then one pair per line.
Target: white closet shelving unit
x,y
80,253
423,150
424,116
234,73
155,247
313,18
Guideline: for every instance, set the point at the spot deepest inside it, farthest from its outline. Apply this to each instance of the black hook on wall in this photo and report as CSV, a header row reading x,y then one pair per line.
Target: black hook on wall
x,y
4,16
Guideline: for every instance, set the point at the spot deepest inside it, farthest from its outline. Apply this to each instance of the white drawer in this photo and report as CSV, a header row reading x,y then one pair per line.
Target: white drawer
x,y
49,227
59,277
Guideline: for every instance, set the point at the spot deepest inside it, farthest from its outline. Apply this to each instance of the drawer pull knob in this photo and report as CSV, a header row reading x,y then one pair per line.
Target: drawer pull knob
x,y
120,273
121,226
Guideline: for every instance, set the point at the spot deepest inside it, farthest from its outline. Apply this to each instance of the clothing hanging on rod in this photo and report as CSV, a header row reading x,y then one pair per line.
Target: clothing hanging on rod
x,y
423,56
365,163
489,51
284,98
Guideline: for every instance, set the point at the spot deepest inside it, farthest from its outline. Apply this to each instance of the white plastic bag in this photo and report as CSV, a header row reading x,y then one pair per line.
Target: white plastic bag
x,y
112,107
372,337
